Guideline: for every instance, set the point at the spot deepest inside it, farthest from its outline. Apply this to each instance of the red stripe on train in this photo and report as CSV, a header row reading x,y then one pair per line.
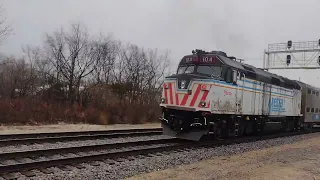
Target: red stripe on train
x,y
204,96
171,95
184,100
177,99
165,95
195,96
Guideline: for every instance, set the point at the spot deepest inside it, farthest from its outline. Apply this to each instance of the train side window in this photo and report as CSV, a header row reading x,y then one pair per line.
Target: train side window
x,y
309,91
308,109
312,110
317,93
317,110
313,92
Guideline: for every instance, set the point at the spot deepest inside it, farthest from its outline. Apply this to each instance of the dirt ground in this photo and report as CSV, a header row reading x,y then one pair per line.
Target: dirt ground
x,y
297,161
70,127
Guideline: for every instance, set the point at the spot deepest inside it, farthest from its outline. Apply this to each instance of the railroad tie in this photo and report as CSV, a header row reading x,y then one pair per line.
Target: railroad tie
x,y
10,176
28,173
109,161
46,170
95,163
79,166
64,168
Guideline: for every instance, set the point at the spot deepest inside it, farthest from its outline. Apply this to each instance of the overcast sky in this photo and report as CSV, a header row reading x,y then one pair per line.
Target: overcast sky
x,y
242,28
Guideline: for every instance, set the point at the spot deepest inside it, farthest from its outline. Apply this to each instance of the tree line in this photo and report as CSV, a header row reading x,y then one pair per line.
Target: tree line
x,y
75,76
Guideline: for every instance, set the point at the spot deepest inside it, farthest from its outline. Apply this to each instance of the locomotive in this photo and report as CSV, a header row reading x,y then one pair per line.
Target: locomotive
x,y
214,94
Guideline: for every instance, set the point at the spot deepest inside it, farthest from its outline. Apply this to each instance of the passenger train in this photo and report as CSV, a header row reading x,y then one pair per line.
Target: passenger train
x,y
212,93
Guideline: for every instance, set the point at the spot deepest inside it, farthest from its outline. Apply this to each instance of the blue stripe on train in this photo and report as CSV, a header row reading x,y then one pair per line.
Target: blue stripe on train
x,y
230,84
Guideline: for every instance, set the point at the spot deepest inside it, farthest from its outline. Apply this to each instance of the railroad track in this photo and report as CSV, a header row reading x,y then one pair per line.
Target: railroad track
x,y
108,153
23,161
34,138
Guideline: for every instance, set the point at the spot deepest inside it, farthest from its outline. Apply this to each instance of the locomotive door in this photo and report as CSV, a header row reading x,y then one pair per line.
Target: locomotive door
x,y
239,92
280,91
260,98
266,97
254,95
256,107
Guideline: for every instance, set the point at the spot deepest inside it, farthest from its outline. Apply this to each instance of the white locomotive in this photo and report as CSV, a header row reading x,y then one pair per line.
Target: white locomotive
x,y
212,93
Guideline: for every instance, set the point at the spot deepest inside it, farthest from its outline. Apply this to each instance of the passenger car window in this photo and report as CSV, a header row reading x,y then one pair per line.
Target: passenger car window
x,y
317,110
312,110
308,109
309,91
317,93
313,92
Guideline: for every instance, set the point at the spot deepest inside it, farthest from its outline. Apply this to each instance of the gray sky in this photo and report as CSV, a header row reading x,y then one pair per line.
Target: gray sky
x,y
242,28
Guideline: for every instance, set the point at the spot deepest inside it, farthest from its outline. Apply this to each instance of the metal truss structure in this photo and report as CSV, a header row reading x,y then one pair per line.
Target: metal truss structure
x,y
292,55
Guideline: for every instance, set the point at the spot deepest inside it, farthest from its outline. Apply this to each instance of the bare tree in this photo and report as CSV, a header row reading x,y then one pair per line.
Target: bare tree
x,y
106,51
73,54
41,66
140,71
18,78
5,29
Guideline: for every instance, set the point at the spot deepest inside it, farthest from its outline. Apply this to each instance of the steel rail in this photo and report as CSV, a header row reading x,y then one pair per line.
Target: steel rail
x,y
74,133
73,136
76,149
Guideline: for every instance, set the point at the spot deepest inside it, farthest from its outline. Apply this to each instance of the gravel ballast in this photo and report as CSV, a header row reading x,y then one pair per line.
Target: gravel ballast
x,y
124,169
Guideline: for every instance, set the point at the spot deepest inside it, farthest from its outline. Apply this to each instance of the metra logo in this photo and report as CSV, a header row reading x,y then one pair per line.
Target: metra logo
x,y
277,105
316,117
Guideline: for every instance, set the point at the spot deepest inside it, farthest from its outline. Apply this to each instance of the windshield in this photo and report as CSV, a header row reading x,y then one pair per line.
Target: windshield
x,y
214,71
185,69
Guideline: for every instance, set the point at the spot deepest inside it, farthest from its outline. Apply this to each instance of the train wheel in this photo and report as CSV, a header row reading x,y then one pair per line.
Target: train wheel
x,y
217,132
225,128
288,125
260,124
239,127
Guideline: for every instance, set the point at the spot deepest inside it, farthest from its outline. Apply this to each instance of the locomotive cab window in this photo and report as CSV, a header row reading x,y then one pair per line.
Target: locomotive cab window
x,y
185,69
213,71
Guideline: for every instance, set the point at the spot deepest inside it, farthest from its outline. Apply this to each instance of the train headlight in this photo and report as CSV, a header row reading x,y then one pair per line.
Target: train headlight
x,y
183,84
163,100
203,104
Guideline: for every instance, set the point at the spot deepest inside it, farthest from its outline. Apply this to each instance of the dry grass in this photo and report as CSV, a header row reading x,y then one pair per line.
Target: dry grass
x,y
296,161
36,112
